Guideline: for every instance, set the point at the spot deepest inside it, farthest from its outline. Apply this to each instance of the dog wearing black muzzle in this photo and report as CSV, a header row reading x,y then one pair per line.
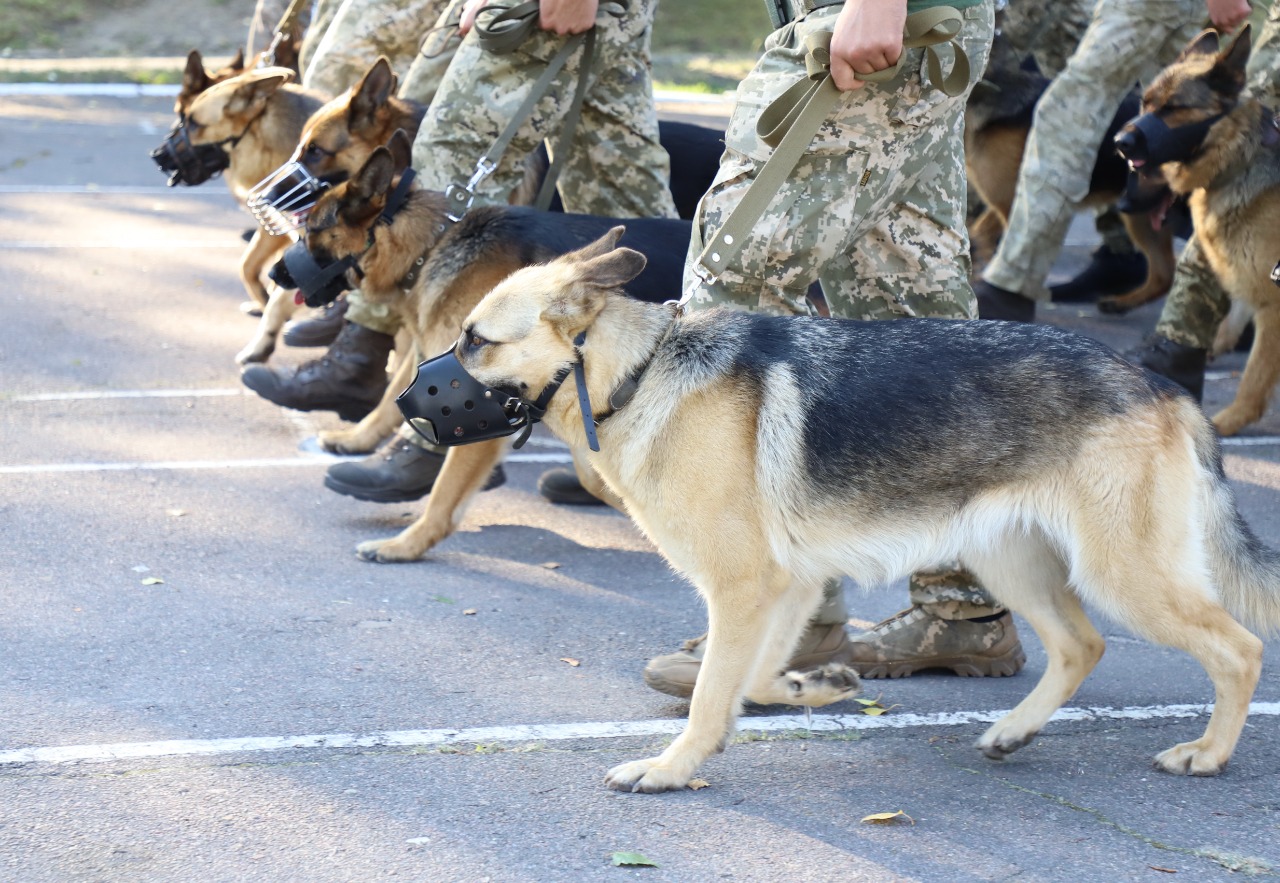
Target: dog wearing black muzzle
x,y
1215,143
396,241
241,128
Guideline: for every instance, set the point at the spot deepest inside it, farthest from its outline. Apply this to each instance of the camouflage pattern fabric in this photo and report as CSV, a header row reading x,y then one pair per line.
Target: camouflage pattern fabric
x,y
435,53
379,317
361,31
1050,32
616,165
321,17
1128,41
1197,304
262,26
875,210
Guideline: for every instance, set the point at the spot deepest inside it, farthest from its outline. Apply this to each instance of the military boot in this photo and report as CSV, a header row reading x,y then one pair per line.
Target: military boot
x,y
320,330
676,673
1182,364
398,472
1108,273
916,639
350,378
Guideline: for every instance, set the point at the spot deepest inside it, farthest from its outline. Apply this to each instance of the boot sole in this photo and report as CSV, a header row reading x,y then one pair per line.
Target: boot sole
x,y
965,666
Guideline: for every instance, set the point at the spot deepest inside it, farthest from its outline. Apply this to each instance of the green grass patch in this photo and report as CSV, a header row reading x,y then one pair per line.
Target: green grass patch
x,y
718,27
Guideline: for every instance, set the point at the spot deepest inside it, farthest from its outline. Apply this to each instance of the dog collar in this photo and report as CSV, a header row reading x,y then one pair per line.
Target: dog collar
x,y
1270,129
625,391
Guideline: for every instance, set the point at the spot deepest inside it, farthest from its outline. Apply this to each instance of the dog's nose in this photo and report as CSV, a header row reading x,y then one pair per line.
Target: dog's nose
x,y
279,274
1129,144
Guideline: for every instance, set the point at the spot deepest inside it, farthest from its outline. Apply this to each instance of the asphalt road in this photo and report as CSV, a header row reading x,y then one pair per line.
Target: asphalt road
x,y
463,709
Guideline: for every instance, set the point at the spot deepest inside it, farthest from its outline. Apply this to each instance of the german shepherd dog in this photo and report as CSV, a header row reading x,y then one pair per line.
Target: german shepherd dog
x,y
196,77
764,454
451,267
1221,147
998,119
254,118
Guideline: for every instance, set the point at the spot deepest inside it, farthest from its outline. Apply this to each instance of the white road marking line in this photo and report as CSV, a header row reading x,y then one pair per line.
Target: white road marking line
x,y
90,395
565,732
1249,441
144,244
263,463
116,189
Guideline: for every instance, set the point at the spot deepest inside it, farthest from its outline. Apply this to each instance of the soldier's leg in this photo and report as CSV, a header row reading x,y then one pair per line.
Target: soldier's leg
x,y
363,30
481,91
436,49
1127,41
321,17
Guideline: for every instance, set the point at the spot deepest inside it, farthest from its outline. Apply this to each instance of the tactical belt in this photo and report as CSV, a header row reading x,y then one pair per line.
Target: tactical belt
x,y
789,123
783,12
503,33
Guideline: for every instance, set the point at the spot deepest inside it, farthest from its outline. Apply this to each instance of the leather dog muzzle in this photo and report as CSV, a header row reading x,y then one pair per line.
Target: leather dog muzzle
x,y
187,163
447,406
1149,141
319,284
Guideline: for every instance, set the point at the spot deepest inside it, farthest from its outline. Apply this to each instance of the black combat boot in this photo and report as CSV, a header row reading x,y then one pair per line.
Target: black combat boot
x,y
320,330
350,378
1108,273
1182,364
398,472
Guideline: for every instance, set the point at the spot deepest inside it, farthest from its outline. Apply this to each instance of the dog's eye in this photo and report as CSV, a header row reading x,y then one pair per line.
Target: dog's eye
x,y
476,341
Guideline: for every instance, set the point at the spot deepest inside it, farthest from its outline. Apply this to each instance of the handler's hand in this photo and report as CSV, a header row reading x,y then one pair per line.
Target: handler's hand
x,y
469,15
1227,15
568,16
867,38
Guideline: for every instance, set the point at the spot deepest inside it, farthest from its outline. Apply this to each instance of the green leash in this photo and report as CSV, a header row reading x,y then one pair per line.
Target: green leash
x,y
503,33
789,123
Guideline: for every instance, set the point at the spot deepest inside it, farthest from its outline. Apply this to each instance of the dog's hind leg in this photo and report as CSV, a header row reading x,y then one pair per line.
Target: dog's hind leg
x,y
771,684
1261,373
739,608
1029,577
465,470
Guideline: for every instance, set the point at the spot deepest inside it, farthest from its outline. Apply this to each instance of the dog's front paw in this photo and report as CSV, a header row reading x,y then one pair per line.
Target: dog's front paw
x,y
256,353
386,552
1001,740
822,686
251,308
1191,759
644,777
343,441
1234,418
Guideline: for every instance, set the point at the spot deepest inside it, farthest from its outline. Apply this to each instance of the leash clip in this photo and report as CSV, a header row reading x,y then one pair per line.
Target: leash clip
x,y
460,198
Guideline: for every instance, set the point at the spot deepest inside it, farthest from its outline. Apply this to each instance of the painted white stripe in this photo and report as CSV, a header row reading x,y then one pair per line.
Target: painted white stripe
x,y
264,463
94,189
91,395
1249,441
565,732
141,244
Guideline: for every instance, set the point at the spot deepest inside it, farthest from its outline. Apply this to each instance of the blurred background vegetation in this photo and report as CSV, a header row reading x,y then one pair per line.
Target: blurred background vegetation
x,y
701,45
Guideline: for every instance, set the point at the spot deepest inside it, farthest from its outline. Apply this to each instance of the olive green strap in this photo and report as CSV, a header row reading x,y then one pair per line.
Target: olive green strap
x,y
283,29
502,33
790,121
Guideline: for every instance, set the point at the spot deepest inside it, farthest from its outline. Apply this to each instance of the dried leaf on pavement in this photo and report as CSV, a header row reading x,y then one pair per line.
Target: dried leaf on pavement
x,y
632,860
569,659
153,581
887,818
698,784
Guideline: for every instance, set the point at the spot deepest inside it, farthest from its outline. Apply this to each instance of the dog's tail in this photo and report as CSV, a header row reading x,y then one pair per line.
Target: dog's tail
x,y
1247,570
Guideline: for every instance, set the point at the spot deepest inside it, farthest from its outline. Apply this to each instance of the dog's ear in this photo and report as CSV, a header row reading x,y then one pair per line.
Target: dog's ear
x,y
613,269
605,244
257,88
401,148
237,63
1228,72
371,94
1203,43
374,178
194,78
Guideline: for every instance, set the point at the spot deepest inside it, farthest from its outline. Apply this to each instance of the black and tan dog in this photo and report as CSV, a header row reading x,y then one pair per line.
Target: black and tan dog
x,y
243,128
433,272
762,454
998,119
1221,147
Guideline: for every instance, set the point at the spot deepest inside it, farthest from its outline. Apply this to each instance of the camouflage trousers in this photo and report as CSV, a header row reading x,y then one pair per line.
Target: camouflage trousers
x,y
615,166
1049,32
1128,41
362,30
262,26
874,210
1197,303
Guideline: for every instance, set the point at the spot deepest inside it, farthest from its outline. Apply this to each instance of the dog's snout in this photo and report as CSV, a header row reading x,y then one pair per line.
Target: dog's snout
x,y
279,274
1129,144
